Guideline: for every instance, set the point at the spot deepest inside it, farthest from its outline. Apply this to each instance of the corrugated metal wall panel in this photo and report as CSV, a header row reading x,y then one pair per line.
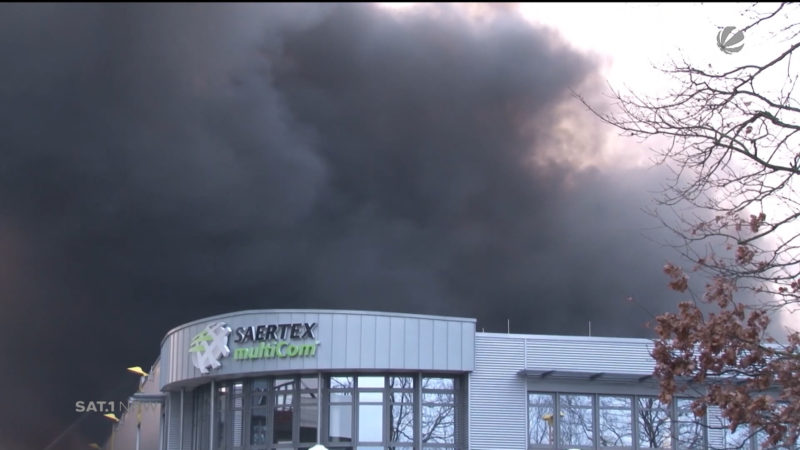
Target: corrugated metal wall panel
x,y
425,351
188,404
173,420
628,356
348,340
368,342
383,342
716,435
353,358
497,395
411,344
468,349
396,335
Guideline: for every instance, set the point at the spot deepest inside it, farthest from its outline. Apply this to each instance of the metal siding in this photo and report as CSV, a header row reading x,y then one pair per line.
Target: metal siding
x,y
382,341
439,347
188,405
468,349
453,345
411,344
716,435
353,353
325,337
497,395
348,341
425,348
577,354
339,341
396,352
368,342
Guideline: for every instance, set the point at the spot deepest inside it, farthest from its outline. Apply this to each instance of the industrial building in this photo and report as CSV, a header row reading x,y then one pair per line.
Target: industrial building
x,y
358,380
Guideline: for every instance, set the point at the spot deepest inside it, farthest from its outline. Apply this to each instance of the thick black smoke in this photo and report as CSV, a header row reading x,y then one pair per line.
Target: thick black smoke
x,y
161,163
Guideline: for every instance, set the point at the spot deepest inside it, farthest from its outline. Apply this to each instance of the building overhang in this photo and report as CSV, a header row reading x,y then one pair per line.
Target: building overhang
x,y
585,375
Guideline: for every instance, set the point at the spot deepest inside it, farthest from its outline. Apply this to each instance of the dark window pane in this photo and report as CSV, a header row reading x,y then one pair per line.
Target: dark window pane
x,y
284,384
260,393
258,426
221,405
309,409
282,424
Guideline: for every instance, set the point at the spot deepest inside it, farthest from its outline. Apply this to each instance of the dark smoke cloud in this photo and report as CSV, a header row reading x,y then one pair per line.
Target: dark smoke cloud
x,y
162,163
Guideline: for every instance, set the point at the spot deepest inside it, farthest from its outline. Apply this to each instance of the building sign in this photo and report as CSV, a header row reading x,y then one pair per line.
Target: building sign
x,y
286,340
209,346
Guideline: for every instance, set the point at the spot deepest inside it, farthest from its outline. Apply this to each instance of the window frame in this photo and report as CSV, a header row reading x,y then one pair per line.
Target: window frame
x,y
634,410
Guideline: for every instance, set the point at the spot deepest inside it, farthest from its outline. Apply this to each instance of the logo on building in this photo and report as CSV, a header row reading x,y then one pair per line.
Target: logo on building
x,y
209,346
727,42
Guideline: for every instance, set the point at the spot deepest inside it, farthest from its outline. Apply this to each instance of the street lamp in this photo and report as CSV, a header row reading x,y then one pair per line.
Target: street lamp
x,y
112,417
138,371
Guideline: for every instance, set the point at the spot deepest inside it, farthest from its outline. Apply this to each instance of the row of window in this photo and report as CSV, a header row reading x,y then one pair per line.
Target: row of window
x,y
346,412
588,421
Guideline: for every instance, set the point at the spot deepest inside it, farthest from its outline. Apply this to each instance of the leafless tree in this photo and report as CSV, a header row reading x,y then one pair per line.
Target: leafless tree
x,y
731,140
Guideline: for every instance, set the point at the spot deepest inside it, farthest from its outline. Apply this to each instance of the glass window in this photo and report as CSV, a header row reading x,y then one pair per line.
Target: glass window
x,y
340,420
438,424
282,424
401,382
341,383
202,407
438,410
260,393
309,383
401,416
437,383
401,423
615,422
309,411
221,413
575,420
370,382
688,426
258,426
370,423
237,425
370,396
739,438
654,423
541,415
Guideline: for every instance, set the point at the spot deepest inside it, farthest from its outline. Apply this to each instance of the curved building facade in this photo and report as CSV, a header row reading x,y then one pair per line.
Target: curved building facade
x,y
357,380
